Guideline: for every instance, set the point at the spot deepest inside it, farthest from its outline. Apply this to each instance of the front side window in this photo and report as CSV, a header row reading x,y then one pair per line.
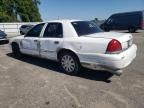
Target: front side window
x,y
85,28
35,31
109,21
53,30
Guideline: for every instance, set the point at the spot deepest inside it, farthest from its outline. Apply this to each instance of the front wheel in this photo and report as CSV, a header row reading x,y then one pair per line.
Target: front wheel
x,y
15,50
21,33
69,63
105,28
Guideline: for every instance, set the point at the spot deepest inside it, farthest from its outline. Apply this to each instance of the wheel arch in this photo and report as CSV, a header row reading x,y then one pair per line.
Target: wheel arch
x,y
64,50
133,27
14,43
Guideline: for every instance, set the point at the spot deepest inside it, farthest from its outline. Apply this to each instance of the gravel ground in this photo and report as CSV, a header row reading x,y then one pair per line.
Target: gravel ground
x,y
37,83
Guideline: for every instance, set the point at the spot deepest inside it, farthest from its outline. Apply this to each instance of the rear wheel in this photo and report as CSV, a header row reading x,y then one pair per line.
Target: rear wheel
x,y
15,50
132,29
69,63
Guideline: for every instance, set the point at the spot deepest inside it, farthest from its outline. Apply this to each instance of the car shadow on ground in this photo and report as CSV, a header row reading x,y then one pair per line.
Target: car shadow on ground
x,y
129,32
97,75
126,31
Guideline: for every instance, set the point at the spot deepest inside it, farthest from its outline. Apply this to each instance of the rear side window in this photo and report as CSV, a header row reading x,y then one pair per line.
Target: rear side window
x,y
53,30
35,31
85,27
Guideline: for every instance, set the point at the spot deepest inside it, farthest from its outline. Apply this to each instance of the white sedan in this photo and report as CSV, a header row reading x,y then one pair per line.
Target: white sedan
x,y
75,43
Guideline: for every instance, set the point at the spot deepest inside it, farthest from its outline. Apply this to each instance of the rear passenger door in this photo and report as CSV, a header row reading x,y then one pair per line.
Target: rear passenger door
x,y
51,41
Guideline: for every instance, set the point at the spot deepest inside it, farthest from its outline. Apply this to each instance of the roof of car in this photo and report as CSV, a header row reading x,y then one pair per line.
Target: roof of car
x,y
121,13
26,25
63,20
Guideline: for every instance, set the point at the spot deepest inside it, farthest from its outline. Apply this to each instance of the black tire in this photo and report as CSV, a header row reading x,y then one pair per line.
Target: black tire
x,y
132,30
105,28
73,64
16,51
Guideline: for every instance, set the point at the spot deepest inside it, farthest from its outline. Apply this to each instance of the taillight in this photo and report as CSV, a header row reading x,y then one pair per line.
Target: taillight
x,y
114,46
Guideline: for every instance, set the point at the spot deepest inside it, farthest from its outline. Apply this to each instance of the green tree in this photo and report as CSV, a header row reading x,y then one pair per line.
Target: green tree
x,y
27,10
4,17
36,2
5,14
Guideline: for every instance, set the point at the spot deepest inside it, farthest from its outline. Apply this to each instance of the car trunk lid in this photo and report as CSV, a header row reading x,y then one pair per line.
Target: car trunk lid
x,y
126,40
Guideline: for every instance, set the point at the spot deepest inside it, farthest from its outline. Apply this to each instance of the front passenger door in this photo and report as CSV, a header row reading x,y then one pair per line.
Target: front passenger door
x,y
31,43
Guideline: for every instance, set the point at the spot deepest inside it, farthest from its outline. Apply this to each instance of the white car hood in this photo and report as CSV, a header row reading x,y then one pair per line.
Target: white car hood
x,y
16,38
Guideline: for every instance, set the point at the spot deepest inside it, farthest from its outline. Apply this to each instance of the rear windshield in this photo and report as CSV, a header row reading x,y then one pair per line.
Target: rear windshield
x,y
85,27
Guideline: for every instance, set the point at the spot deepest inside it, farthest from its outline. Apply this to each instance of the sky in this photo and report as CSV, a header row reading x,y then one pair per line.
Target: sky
x,y
86,9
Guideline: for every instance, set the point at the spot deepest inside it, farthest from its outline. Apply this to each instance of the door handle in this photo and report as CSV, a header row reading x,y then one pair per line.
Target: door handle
x,y
56,42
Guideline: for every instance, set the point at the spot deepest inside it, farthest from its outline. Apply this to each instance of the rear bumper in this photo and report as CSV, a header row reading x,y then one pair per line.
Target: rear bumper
x,y
113,62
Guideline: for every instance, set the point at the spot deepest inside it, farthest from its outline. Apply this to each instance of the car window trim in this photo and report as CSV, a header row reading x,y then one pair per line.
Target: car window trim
x,y
32,28
84,34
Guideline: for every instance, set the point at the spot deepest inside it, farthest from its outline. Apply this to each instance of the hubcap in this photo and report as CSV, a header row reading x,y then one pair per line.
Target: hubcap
x,y
68,63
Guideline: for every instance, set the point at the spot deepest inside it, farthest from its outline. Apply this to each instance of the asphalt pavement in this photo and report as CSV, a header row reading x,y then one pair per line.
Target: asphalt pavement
x,y
36,83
